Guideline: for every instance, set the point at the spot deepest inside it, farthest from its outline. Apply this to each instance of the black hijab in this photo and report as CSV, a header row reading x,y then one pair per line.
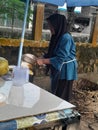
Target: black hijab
x,y
59,23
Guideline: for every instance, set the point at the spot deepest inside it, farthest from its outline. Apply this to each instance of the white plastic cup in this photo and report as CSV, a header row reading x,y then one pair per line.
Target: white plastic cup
x,y
20,76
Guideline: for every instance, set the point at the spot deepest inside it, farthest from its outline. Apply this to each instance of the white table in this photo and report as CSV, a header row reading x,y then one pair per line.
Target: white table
x,y
29,101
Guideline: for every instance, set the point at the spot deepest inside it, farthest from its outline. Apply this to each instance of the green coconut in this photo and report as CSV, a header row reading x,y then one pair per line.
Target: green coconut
x,y
4,67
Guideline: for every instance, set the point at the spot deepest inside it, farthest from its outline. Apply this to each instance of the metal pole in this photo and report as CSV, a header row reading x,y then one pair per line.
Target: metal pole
x,y
23,33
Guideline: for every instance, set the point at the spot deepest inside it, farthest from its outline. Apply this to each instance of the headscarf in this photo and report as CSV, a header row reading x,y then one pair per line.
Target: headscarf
x,y
59,23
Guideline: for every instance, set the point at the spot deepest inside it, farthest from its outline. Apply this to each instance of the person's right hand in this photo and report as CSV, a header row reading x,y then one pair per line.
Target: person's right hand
x,y
40,61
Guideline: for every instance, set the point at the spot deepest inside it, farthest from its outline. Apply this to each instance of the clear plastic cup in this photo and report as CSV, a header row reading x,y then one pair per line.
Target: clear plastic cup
x,y
16,96
20,76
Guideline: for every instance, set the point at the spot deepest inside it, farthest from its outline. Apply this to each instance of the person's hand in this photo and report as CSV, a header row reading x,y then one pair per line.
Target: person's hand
x,y
40,61
43,61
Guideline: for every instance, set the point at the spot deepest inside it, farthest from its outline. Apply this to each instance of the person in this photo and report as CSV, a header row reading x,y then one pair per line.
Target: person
x,y
60,58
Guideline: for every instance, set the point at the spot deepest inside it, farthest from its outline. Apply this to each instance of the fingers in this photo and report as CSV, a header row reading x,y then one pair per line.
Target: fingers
x,y
39,61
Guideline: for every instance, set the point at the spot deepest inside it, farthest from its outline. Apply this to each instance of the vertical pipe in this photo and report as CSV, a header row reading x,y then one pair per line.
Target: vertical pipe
x,y
23,33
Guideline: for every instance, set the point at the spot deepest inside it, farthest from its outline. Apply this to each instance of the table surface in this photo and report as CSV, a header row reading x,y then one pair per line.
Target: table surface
x,y
29,105
28,100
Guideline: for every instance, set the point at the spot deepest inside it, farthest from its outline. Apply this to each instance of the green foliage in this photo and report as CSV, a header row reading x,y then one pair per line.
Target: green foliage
x,y
13,9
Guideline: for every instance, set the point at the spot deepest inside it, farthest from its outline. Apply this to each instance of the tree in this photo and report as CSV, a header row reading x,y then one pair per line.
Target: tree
x,y
13,9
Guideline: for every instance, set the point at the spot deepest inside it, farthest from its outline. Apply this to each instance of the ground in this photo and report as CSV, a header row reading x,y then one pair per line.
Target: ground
x,y
85,99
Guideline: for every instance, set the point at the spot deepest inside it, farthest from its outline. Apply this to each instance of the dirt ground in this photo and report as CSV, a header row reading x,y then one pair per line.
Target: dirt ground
x,y
85,99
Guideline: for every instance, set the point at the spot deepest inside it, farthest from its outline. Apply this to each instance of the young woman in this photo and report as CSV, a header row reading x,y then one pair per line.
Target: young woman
x,y
61,57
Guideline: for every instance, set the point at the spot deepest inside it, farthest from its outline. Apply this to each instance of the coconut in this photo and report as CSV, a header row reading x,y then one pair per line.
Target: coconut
x,y
4,67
